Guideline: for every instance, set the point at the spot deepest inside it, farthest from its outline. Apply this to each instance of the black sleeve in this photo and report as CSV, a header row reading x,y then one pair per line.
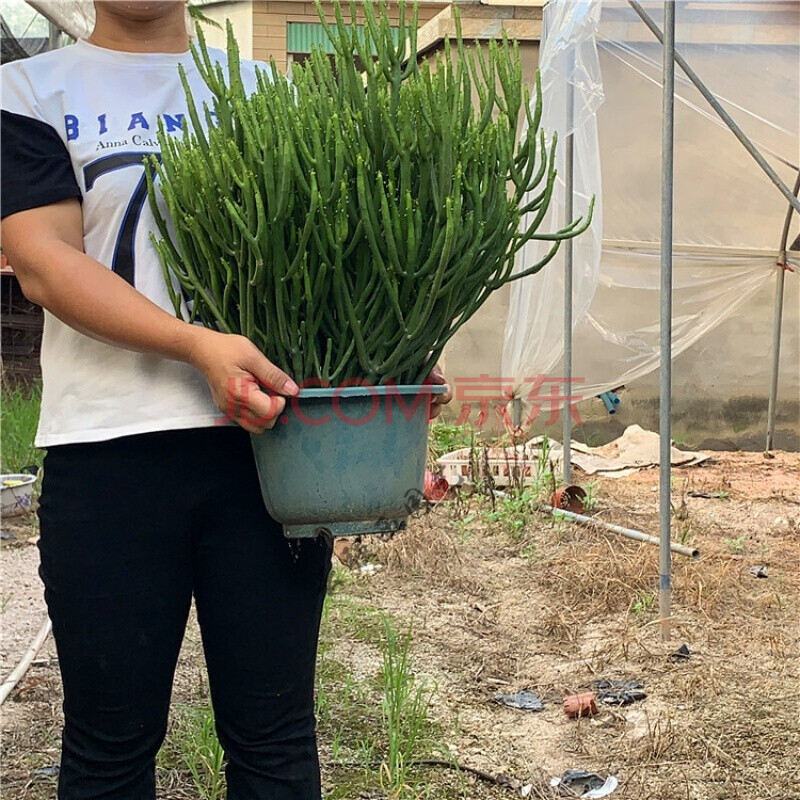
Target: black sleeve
x,y
36,168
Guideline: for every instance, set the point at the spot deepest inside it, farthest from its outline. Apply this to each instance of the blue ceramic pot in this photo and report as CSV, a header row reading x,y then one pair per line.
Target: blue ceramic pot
x,y
346,461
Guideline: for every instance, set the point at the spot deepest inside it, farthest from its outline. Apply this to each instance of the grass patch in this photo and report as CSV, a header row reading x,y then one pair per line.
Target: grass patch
x,y
192,753
19,418
376,724
373,717
443,438
405,703
356,619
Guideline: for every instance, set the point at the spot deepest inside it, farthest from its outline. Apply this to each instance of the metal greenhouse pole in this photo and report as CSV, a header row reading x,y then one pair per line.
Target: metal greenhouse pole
x,y
569,189
671,57
777,323
665,378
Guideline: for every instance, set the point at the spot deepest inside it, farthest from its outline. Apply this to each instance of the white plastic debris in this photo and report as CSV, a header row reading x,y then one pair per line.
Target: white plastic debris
x,y
574,779
368,569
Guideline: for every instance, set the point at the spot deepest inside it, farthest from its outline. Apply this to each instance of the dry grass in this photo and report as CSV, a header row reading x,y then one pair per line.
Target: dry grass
x,y
552,607
720,726
426,549
594,577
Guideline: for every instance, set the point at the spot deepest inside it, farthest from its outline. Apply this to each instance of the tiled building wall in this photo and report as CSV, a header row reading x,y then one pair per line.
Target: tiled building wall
x,y
271,16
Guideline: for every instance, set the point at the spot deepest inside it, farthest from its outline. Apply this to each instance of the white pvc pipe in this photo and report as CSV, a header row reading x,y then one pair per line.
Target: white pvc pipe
x,y
35,646
628,533
593,522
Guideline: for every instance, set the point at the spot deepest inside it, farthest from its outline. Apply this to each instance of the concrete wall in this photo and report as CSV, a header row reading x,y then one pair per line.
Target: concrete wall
x,y
721,384
271,16
241,16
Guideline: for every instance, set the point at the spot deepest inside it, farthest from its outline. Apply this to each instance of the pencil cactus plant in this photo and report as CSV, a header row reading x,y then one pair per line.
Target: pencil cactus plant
x,y
349,222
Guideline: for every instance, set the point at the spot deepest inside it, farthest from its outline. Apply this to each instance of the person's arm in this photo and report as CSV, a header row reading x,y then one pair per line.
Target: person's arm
x,y
45,247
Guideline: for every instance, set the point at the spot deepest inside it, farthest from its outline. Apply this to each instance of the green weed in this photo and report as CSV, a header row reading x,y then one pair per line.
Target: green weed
x,y
404,704
464,526
735,546
443,438
545,478
192,747
514,511
590,501
530,552
642,604
19,418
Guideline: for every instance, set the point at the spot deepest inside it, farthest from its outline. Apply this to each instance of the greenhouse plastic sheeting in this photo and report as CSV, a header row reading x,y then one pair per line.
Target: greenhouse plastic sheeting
x,y
728,216
534,330
74,17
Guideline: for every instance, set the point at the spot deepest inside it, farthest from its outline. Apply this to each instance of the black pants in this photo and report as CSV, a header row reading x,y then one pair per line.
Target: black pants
x,y
131,529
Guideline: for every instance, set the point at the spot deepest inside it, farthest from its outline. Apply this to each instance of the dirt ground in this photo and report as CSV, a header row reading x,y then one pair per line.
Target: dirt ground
x,y
548,606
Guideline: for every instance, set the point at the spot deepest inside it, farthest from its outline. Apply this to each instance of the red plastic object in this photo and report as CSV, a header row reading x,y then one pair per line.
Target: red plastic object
x,y
570,498
580,705
436,487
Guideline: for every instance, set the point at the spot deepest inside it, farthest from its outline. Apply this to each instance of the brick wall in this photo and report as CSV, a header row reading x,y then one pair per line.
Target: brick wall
x,y
270,18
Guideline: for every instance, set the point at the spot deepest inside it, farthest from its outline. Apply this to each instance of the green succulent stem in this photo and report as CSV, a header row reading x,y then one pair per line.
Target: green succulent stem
x,y
350,221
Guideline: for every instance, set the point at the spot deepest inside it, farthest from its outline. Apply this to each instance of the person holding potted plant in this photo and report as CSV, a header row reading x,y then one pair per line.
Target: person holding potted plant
x,y
349,223
148,502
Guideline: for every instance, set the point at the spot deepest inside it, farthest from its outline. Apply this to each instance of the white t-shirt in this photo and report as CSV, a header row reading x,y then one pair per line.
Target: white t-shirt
x,y
77,122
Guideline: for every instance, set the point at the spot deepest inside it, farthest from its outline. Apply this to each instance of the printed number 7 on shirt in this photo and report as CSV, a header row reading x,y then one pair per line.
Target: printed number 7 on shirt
x,y
123,262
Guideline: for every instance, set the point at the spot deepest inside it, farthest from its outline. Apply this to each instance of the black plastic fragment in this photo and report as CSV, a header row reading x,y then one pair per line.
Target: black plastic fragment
x,y
525,700
47,772
681,654
621,698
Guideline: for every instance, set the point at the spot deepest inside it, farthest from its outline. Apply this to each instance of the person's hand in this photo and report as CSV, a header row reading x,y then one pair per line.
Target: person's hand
x,y
246,386
438,400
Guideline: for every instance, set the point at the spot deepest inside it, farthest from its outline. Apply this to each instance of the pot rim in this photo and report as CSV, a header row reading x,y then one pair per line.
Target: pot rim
x,y
25,479
391,390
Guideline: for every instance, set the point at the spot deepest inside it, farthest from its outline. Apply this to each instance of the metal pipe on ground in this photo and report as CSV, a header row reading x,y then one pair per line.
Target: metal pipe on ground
x,y
628,533
593,522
